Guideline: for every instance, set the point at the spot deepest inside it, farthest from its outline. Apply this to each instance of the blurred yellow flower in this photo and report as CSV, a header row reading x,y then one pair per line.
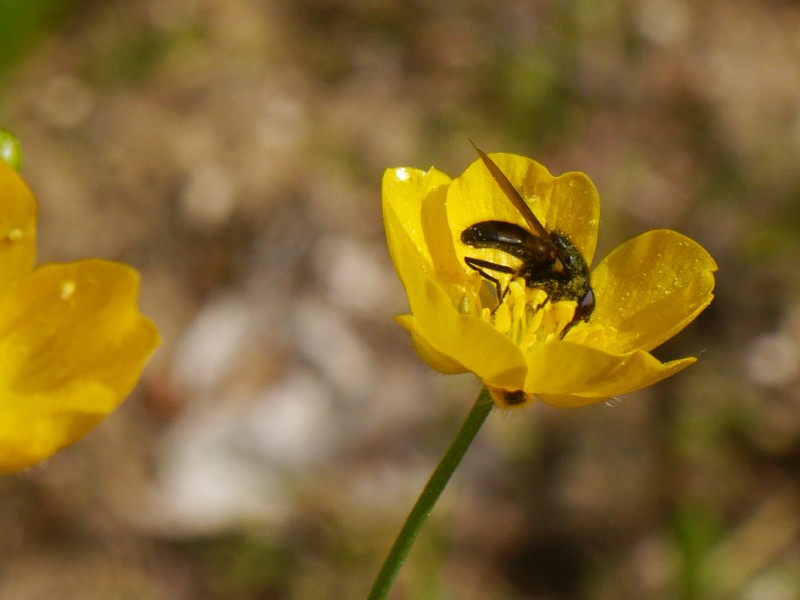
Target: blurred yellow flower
x,y
72,341
646,290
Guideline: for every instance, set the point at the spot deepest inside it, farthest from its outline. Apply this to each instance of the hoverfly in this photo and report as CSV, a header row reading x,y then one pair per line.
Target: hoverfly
x,y
548,259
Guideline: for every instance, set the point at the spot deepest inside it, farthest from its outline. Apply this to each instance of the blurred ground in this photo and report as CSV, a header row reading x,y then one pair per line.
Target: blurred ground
x,y
233,150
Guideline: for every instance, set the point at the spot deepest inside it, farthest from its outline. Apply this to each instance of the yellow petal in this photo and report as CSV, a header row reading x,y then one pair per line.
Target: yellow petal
x,y
36,428
574,209
404,191
17,227
449,269
410,261
454,343
566,374
437,360
651,287
568,203
72,345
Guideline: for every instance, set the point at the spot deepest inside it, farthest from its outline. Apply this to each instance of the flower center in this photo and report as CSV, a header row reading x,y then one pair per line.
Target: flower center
x,y
525,315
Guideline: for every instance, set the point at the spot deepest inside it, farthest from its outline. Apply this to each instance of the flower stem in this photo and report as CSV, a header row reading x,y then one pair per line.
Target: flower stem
x,y
430,494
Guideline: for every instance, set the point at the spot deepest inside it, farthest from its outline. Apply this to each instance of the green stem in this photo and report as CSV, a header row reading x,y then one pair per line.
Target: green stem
x,y
430,494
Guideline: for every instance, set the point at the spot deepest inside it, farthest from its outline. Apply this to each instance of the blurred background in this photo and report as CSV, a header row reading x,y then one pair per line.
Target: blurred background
x,y
232,150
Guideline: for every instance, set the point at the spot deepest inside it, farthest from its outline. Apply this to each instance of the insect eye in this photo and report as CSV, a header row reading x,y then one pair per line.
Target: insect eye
x,y
566,256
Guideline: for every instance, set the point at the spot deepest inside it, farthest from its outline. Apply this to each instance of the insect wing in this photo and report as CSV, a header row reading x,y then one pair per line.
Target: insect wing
x,y
513,195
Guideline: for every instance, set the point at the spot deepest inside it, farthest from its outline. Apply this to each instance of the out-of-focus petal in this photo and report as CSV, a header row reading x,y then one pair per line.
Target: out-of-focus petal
x,y
42,424
17,228
651,287
72,345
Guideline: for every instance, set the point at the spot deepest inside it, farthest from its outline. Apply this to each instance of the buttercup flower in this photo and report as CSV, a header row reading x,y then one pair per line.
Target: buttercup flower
x,y
72,341
525,344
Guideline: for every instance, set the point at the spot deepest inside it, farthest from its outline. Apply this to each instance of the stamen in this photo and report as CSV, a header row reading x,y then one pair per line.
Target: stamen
x,y
518,303
502,318
528,318
464,306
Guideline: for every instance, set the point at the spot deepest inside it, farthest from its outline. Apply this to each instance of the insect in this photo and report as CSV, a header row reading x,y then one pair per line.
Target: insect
x,y
548,259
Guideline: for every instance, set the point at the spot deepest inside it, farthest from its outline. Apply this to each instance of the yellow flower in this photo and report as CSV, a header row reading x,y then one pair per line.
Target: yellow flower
x,y
527,346
72,341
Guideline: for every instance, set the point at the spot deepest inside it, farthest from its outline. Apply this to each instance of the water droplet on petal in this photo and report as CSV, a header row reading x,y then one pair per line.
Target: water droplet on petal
x,y
14,235
67,289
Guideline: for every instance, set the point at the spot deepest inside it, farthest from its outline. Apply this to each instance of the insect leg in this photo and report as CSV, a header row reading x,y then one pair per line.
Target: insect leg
x,y
479,265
